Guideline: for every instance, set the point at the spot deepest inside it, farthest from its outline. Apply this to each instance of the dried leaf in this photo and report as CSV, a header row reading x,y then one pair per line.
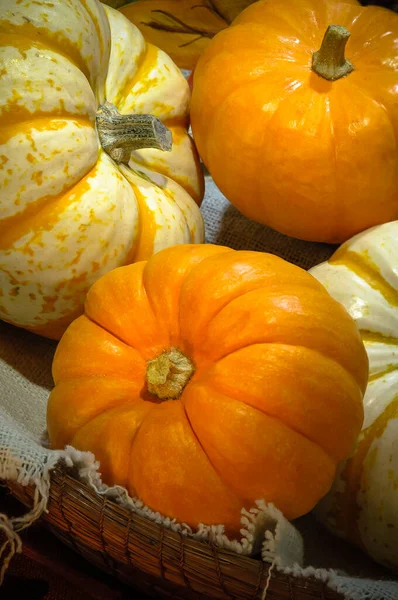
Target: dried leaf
x,y
229,9
182,28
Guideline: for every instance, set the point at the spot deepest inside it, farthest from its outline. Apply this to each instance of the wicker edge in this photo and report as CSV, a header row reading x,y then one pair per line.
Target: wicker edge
x,y
157,560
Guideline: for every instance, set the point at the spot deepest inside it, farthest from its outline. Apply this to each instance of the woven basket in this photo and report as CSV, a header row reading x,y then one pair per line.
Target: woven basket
x,y
160,562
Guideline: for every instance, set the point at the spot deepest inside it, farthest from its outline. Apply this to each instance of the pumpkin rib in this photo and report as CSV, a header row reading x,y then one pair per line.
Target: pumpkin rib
x,y
347,507
131,451
367,272
37,120
338,209
97,27
54,42
136,163
253,80
281,19
123,94
332,458
237,394
102,412
163,445
113,334
365,93
326,458
136,254
183,215
293,346
103,417
19,225
346,212
366,12
218,473
255,288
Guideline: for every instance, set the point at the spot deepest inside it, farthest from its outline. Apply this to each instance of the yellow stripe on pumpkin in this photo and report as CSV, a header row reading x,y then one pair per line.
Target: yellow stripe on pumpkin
x,y
27,36
363,266
347,508
41,214
20,120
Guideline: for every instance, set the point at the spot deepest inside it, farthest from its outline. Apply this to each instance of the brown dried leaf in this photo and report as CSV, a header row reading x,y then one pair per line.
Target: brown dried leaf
x,y
182,28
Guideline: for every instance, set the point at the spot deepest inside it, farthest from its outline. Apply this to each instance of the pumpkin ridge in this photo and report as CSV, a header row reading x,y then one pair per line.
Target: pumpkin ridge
x,y
130,468
101,412
38,120
146,223
382,374
136,166
367,43
110,410
182,213
237,395
178,303
252,80
150,301
17,226
358,85
347,507
281,17
330,460
372,336
288,89
293,346
114,335
339,210
365,93
97,27
54,42
261,286
216,471
141,62
364,268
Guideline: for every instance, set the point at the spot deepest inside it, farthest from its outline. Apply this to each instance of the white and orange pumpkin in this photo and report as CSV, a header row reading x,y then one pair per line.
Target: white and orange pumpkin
x,y
69,210
362,505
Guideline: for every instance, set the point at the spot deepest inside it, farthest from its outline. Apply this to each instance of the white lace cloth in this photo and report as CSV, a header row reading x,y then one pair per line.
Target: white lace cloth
x,y
302,549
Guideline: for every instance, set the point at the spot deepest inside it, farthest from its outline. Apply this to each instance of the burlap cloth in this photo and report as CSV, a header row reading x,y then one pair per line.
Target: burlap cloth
x,y
302,548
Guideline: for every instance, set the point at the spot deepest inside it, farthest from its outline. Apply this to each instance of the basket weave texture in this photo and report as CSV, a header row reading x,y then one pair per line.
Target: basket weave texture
x,y
160,562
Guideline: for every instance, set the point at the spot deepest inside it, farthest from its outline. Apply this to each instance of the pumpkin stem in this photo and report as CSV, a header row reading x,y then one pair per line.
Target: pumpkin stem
x,y
120,134
168,374
329,61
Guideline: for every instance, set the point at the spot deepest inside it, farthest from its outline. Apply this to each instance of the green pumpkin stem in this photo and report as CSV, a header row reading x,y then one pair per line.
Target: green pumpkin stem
x,y
329,61
168,374
120,134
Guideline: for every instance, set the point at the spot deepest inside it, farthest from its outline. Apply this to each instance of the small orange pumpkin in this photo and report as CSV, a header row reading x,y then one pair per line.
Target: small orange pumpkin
x,y
206,378
295,135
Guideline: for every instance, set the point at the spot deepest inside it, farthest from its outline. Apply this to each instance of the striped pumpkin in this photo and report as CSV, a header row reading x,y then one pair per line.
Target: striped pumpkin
x,y
363,503
78,196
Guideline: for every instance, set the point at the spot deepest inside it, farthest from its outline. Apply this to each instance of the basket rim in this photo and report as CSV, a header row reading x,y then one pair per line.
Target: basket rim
x,y
126,544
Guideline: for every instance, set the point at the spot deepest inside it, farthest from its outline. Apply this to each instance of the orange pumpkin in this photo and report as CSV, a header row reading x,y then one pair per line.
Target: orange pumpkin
x,y
295,135
206,378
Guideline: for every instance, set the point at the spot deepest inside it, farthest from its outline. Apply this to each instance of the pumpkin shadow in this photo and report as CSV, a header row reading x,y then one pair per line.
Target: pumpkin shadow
x,y
28,354
240,233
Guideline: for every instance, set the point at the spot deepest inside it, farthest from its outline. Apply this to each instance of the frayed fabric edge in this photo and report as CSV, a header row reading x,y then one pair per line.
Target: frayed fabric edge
x,y
12,526
251,520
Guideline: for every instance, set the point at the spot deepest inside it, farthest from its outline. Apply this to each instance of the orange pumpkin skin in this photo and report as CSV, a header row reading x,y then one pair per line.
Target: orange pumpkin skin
x,y
311,158
275,401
